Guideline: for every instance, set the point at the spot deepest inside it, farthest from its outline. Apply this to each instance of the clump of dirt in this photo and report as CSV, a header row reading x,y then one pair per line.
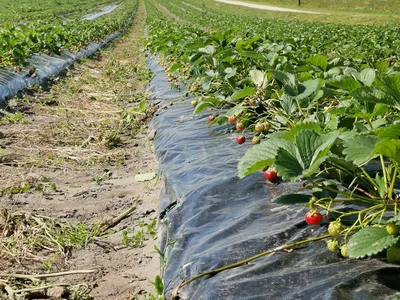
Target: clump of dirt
x,y
79,185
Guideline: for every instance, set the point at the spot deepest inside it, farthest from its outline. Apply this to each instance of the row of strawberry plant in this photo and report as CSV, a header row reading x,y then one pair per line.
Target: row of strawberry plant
x,y
363,44
52,36
328,119
32,10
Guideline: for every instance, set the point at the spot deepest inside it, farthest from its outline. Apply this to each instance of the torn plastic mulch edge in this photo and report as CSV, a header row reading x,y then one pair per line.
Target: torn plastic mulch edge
x,y
46,66
214,218
105,10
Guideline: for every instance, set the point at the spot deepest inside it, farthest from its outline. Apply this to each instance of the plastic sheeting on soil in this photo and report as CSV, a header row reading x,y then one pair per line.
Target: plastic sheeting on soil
x,y
104,11
11,82
215,219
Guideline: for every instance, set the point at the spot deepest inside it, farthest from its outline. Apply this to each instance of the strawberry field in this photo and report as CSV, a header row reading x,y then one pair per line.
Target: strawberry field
x,y
278,140
51,27
319,103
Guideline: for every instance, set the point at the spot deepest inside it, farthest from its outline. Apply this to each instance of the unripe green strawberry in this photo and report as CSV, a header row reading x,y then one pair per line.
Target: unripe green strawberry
x,y
256,140
194,103
392,229
343,251
267,126
393,254
332,245
335,228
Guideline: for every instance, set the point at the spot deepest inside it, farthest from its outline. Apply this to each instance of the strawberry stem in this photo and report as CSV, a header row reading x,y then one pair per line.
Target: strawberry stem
x,y
245,261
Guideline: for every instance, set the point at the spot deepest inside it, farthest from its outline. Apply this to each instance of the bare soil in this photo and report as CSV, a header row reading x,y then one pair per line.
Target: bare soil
x,y
71,153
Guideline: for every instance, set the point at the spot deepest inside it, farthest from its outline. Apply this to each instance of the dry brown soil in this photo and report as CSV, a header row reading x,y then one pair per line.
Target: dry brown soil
x,y
76,147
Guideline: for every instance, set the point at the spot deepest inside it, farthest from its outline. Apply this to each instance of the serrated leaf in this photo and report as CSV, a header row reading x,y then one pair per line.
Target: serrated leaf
x,y
257,77
311,86
229,72
202,106
359,149
285,78
307,142
393,82
260,156
206,82
287,165
369,241
252,54
374,95
247,91
382,66
292,199
290,135
209,49
175,66
320,61
389,132
378,123
236,110
388,148
366,76
344,82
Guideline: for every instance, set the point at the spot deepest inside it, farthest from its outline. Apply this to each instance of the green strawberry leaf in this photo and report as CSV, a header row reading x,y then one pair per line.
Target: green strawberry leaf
x,y
247,91
285,78
257,77
288,165
292,199
290,135
370,241
374,95
388,148
202,106
320,61
359,149
389,132
366,76
236,110
175,66
260,156
345,83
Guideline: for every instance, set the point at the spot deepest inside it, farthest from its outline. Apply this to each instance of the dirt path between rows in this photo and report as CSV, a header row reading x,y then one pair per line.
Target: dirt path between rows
x,y
73,158
268,7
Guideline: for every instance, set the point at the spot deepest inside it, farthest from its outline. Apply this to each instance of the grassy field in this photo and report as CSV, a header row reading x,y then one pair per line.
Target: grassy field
x,y
342,12
368,6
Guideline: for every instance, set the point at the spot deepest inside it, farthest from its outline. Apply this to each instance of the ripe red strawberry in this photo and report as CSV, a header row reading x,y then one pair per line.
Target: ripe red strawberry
x,y
239,126
211,118
271,175
19,69
232,120
313,217
252,102
240,139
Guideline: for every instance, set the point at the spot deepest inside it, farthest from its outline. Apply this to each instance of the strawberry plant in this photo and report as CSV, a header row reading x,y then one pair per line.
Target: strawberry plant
x,y
18,42
324,113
